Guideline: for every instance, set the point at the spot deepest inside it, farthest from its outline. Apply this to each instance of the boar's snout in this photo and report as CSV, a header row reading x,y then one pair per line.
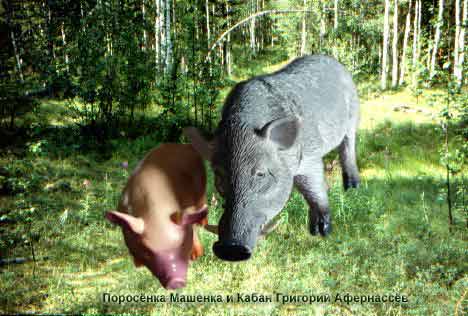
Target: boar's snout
x,y
238,235
232,251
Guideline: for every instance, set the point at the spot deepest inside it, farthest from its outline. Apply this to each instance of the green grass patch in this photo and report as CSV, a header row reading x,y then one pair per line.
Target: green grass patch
x,y
390,236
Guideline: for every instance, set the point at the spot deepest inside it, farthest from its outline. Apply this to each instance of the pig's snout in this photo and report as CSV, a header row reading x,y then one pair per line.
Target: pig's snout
x,y
175,283
232,251
171,269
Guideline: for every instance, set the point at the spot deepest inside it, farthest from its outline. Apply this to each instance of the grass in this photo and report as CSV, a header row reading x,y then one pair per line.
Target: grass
x,y
390,236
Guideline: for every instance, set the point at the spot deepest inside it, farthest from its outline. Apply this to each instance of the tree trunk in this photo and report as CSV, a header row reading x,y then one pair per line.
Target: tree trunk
x,y
418,52
416,40
460,59
304,35
145,38
50,44
395,46
168,37
228,43
208,34
335,24
323,27
157,37
415,33
252,29
383,78
9,13
437,38
457,34
64,42
405,44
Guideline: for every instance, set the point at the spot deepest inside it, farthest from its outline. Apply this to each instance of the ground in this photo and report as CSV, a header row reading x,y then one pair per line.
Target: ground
x,y
391,236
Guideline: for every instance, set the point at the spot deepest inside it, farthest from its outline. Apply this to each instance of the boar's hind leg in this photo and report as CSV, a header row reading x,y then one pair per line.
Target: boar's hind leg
x,y
348,163
313,188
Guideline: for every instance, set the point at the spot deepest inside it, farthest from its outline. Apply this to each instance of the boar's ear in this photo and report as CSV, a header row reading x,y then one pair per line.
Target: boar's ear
x,y
132,223
201,145
283,132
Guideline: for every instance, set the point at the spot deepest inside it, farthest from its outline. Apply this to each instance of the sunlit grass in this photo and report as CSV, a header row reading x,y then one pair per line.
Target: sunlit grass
x,y
390,235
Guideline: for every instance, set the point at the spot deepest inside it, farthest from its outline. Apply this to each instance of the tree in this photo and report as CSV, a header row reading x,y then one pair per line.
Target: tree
x,y
304,33
252,27
395,46
416,39
439,25
405,44
335,23
383,78
459,38
9,13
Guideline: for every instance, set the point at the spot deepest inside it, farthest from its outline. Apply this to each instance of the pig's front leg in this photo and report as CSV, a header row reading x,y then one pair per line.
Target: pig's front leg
x,y
311,183
197,247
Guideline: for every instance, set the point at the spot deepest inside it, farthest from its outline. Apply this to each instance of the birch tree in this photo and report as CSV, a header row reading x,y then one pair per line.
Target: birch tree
x,y
9,14
383,78
252,27
145,37
304,33
395,46
416,39
457,34
415,33
323,26
208,35
418,50
439,24
335,22
459,50
64,42
405,44
228,43
157,35
167,36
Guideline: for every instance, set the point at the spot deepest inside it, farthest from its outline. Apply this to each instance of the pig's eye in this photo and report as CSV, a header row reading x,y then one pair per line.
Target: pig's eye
x,y
260,174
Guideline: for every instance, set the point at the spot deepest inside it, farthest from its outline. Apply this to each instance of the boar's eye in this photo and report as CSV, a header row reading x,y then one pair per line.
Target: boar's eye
x,y
260,174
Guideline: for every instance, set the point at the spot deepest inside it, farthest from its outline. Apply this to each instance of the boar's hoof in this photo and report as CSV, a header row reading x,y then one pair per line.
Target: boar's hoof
x,y
321,225
350,182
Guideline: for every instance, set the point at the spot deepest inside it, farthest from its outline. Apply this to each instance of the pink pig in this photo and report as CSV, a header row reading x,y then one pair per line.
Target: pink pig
x,y
163,199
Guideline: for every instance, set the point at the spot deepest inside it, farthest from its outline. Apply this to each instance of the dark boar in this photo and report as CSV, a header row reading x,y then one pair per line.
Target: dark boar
x,y
274,131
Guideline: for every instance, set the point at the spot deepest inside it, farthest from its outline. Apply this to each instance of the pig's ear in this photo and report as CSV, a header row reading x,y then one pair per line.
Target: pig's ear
x,y
283,132
190,219
202,146
132,223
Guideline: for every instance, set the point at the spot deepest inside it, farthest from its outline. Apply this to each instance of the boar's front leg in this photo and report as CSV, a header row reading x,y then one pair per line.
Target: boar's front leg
x,y
347,150
313,187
